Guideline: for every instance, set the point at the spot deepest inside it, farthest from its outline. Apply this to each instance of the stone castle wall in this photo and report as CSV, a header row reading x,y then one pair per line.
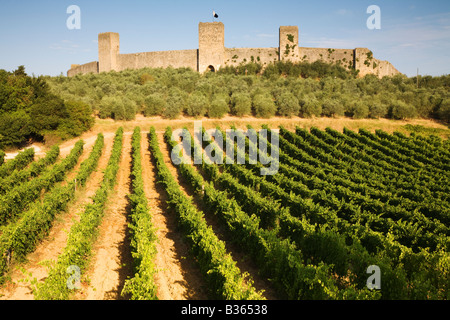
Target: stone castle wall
x,y
91,67
342,56
367,64
158,59
212,55
265,56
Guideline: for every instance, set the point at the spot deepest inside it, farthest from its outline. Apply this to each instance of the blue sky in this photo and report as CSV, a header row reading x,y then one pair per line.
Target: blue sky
x,y
413,34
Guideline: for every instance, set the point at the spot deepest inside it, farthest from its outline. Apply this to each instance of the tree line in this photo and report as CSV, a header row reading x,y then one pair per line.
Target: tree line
x,y
282,89
29,111
48,108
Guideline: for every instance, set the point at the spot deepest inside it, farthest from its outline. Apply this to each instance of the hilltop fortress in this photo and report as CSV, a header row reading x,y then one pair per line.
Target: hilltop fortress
x,y
212,55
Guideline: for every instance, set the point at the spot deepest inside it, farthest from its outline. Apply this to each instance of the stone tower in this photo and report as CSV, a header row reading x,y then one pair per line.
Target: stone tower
x,y
108,51
363,61
211,50
289,43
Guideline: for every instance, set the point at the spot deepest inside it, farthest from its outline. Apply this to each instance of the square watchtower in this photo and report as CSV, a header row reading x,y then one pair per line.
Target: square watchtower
x,y
289,43
108,51
211,49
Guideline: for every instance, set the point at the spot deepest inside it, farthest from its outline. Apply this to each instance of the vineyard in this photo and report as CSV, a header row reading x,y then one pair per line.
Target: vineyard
x,y
130,216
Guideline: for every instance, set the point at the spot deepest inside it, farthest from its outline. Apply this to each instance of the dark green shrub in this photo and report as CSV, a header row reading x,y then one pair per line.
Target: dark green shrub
x,y
117,108
238,85
241,104
176,103
400,110
173,108
377,110
124,110
205,87
105,107
218,108
264,106
222,94
288,104
14,128
310,107
154,105
47,113
79,119
360,110
444,110
332,108
197,105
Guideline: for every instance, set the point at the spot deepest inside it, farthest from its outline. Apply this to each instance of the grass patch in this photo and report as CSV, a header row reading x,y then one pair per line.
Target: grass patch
x,y
427,131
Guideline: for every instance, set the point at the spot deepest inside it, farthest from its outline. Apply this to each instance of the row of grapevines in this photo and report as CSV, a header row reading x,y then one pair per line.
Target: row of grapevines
x,y
331,139
35,168
21,237
408,193
419,265
353,139
224,278
415,230
356,251
411,227
307,187
431,140
143,238
2,157
314,160
316,243
433,157
403,154
248,199
18,198
421,171
434,143
362,187
23,159
305,146
279,259
82,234
434,153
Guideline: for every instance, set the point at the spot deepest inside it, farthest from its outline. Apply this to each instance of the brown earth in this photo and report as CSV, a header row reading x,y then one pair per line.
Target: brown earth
x,y
111,260
179,277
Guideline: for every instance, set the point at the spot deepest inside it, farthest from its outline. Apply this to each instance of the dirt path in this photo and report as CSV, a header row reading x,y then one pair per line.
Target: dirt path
x,y
109,125
178,278
111,261
89,141
49,249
